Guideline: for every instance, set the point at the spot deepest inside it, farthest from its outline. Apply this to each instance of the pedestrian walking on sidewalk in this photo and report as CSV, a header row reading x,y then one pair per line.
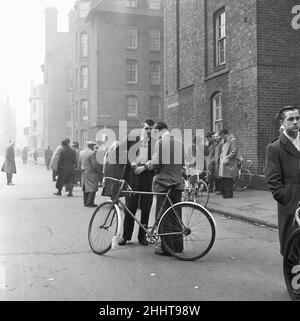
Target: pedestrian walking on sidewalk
x,y
282,171
9,165
65,168
54,162
35,156
24,155
48,155
216,161
228,163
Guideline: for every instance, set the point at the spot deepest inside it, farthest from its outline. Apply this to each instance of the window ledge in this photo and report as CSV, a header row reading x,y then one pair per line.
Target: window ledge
x,y
217,74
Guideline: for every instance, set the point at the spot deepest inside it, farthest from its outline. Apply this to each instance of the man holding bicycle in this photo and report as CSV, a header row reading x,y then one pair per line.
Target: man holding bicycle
x,y
168,152
282,170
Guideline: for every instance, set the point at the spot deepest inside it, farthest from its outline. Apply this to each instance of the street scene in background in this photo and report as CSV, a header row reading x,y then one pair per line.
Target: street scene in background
x,y
150,151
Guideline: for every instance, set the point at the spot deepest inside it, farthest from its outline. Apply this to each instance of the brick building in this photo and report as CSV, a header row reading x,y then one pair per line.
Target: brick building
x,y
231,64
58,89
79,34
125,69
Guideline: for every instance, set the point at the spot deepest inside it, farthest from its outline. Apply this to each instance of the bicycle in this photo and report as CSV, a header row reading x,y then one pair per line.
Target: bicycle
x,y
291,260
187,225
196,188
244,178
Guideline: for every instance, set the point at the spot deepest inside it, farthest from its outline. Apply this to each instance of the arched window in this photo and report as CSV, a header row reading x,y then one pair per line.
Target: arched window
x,y
84,110
84,77
84,137
217,112
84,44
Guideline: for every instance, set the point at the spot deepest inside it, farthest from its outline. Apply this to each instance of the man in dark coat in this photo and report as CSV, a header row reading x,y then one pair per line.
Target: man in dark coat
x,y
282,171
139,179
65,168
48,155
168,166
25,155
9,165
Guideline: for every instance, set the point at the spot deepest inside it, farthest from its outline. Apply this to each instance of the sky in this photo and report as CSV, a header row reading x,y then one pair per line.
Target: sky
x,y
22,34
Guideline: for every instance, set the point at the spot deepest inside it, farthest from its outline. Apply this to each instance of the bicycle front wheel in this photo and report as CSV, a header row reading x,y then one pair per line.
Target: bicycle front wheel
x,y
201,193
291,265
243,181
189,231
103,226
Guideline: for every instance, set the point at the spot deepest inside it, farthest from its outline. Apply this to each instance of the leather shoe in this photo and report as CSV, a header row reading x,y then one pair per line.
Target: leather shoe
x,y
57,193
143,242
227,196
70,194
91,205
122,242
158,251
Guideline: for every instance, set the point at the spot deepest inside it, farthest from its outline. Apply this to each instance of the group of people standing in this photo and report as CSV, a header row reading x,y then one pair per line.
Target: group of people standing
x,y
220,160
74,167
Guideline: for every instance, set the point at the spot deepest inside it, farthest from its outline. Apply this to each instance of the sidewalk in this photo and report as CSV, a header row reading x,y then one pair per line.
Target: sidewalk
x,y
251,205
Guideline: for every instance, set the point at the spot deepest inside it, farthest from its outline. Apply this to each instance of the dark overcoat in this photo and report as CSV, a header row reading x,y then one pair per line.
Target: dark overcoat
x,y
9,165
66,164
282,171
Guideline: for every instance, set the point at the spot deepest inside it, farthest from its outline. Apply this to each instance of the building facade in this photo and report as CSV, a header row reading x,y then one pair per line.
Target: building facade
x,y
80,33
231,64
125,71
36,139
7,124
58,88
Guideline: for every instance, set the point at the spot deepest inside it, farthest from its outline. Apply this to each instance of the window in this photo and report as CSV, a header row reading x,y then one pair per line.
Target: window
x,y
131,3
83,44
154,107
84,9
34,108
84,78
154,39
217,112
154,4
131,37
220,38
132,106
34,126
84,110
84,137
154,73
131,71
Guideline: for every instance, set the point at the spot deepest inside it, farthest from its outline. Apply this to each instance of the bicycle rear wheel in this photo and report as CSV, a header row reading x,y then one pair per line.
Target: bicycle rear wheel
x,y
191,230
103,226
243,181
201,194
291,265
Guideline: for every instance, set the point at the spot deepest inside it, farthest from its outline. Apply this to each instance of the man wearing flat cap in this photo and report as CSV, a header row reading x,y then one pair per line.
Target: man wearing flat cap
x,y
90,174
282,171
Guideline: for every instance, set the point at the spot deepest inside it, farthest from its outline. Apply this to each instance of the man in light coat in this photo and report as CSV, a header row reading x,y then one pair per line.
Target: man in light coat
x,y
9,165
54,162
228,163
90,174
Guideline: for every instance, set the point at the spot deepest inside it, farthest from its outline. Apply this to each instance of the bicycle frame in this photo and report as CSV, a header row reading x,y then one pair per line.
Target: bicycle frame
x,y
152,232
116,201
